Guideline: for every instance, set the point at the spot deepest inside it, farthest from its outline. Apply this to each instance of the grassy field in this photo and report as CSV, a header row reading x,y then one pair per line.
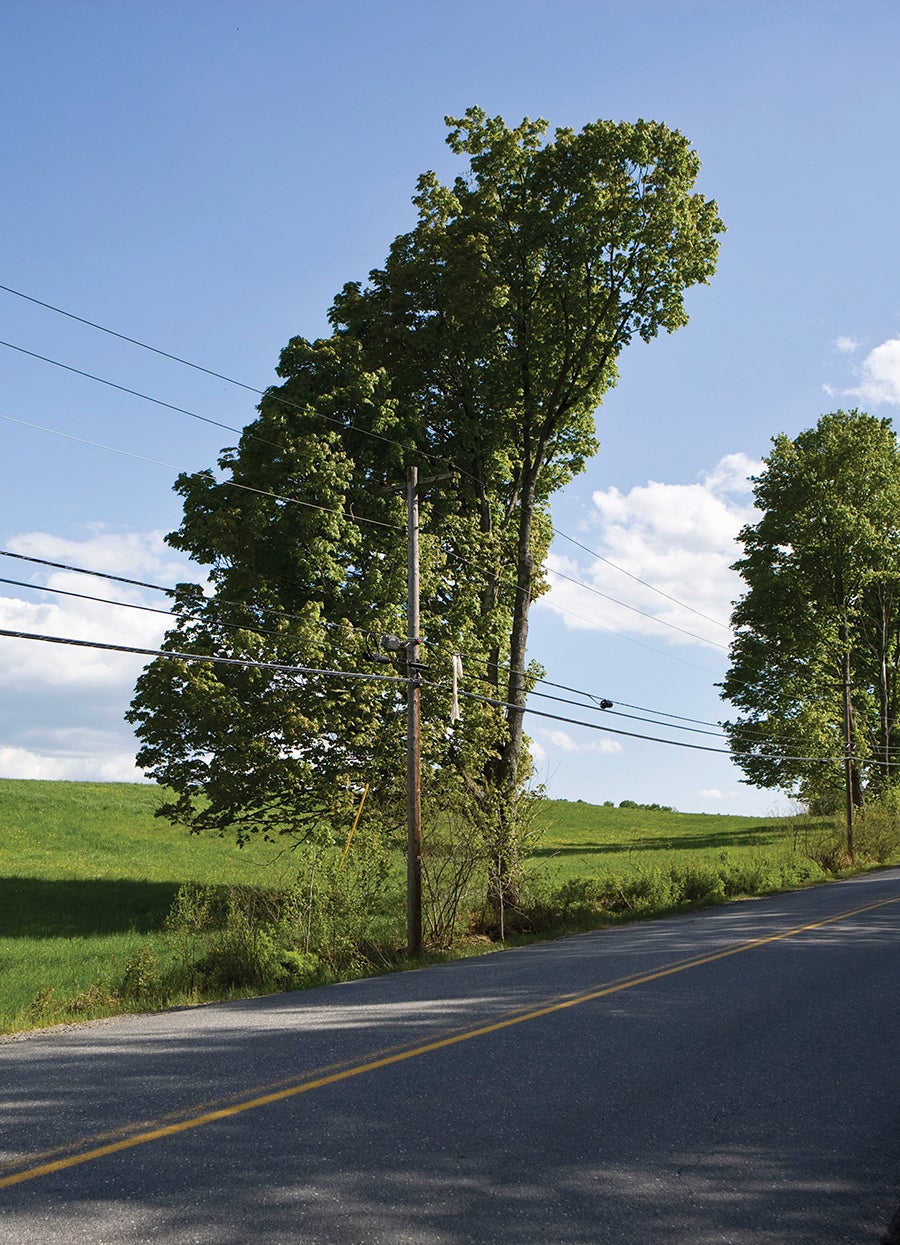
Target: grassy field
x,y
88,875
585,839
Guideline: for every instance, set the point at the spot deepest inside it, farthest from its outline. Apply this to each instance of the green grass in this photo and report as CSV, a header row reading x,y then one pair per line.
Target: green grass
x,y
88,876
585,839
84,830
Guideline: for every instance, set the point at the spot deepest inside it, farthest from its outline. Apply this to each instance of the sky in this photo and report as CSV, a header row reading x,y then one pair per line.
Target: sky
x,y
205,176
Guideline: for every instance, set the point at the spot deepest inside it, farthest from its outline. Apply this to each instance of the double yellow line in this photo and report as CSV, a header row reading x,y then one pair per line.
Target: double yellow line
x,y
202,1115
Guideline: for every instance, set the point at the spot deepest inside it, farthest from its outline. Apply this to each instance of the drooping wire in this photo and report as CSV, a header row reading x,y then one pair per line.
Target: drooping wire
x,y
191,615
659,621
289,403
285,668
637,579
262,393
377,436
469,658
247,488
171,654
676,743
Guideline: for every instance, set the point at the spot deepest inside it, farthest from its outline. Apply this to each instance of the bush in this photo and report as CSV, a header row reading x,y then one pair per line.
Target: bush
x,y
340,917
590,902
652,808
142,979
877,829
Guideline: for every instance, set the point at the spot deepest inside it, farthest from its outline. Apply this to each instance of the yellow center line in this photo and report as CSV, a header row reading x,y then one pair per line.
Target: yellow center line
x,y
387,1060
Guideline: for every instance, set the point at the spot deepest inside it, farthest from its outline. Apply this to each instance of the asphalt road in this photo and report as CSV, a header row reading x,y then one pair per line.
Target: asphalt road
x,y
727,1076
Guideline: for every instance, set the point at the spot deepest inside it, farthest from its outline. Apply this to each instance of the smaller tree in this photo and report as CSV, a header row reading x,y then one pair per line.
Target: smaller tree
x,y
815,657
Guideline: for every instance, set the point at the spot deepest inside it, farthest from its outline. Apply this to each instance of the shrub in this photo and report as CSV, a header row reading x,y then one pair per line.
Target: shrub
x,y
142,979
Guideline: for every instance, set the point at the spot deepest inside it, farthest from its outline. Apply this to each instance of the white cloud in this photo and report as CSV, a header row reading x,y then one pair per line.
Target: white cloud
x,y
62,706
713,793
538,751
135,555
565,743
679,538
880,373
846,345
731,474
114,767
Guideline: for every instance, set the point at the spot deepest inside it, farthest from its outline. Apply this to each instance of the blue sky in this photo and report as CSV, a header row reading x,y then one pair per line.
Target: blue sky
x,y
206,176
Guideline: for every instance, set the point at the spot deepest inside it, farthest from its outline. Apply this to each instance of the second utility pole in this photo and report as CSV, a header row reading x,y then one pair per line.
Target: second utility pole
x,y
413,726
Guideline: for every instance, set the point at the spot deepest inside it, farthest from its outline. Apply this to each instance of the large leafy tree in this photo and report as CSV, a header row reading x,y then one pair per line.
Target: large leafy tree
x,y
486,342
816,654
500,319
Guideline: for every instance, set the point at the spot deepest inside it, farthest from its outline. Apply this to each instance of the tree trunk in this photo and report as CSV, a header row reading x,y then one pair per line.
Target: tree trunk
x,y
504,772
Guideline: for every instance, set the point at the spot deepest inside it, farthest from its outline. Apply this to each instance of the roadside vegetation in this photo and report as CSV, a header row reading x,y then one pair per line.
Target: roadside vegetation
x,y
106,909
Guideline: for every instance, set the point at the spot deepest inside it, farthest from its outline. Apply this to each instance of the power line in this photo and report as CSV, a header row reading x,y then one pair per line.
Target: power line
x,y
254,629
135,393
195,615
617,713
591,623
637,579
287,402
468,657
173,655
375,522
595,626
68,436
596,696
388,440
283,668
230,380
659,621
247,488
280,667
82,570
83,596
675,743
297,406
131,340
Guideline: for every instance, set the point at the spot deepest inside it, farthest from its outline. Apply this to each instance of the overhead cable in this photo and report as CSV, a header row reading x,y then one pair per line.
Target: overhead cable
x,y
230,380
285,668
83,570
247,488
468,657
287,402
171,654
377,436
675,743
637,579
659,621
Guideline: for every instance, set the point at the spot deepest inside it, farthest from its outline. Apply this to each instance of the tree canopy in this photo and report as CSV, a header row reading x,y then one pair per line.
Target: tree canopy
x,y
484,345
816,654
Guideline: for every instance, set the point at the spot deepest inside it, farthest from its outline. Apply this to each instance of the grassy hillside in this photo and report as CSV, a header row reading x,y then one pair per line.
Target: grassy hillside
x,y
88,876
108,830
579,838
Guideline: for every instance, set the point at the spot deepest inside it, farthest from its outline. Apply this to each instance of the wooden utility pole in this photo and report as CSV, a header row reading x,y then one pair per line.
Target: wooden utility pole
x,y
848,754
413,725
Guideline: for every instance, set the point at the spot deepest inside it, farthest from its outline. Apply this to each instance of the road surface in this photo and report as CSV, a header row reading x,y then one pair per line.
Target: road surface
x,y
731,1075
